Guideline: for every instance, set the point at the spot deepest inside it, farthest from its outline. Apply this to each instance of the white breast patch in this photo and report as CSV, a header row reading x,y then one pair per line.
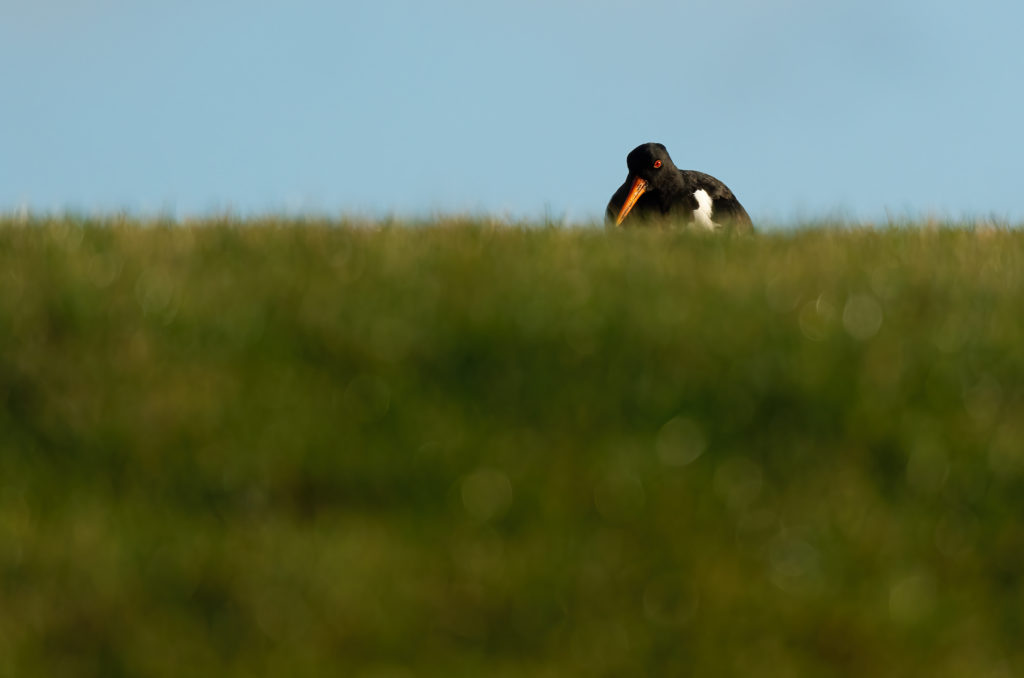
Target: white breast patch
x,y
702,215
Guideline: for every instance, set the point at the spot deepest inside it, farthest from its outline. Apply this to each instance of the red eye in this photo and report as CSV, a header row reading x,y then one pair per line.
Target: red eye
x,y
657,164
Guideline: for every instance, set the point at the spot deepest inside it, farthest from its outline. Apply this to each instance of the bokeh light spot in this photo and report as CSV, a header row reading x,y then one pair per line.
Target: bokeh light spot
x,y
680,442
862,316
486,494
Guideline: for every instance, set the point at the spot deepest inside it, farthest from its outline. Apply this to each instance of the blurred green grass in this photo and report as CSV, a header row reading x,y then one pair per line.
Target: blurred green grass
x,y
299,447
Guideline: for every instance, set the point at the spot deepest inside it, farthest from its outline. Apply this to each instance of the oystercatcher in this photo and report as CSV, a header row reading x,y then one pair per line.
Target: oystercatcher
x,y
656,189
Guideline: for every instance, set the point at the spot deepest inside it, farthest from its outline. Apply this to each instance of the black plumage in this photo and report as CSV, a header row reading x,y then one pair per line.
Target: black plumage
x,y
656,190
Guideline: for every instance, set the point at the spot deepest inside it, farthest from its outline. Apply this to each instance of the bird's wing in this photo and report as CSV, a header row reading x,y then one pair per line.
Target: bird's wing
x,y
726,206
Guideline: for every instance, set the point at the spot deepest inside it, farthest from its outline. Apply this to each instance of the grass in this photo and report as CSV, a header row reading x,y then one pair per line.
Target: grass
x,y
277,448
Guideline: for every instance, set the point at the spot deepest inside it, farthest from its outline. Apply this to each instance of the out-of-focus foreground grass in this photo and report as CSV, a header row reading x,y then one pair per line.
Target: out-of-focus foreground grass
x,y
276,448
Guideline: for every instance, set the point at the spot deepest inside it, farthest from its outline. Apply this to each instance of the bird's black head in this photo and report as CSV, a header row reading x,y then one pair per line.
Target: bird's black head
x,y
651,171
650,162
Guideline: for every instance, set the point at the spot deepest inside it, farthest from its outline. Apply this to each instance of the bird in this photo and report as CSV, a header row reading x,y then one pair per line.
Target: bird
x,y
655,189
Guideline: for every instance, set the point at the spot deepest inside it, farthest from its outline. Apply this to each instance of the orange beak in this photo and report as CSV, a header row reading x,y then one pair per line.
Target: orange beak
x,y
639,186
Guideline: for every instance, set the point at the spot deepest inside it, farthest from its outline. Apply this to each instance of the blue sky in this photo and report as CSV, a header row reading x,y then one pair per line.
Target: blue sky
x,y
806,109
